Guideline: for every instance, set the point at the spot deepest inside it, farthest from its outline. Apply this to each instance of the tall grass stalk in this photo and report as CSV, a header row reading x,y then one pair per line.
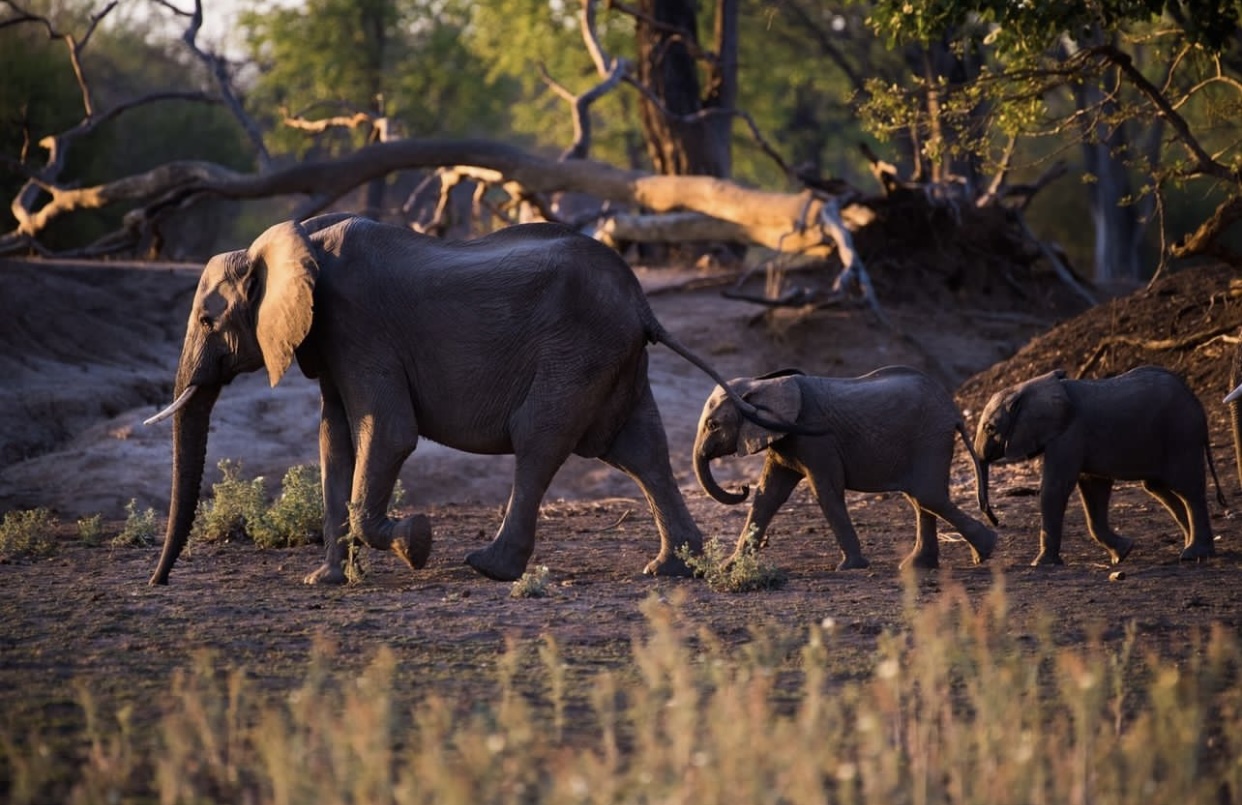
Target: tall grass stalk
x,y
959,706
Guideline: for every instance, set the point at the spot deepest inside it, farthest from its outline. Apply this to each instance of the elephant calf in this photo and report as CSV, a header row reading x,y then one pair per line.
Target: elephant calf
x,y
891,430
1145,425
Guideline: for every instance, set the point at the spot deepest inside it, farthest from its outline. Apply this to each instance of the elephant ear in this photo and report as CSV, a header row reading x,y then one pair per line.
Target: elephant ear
x,y
1038,412
778,398
283,274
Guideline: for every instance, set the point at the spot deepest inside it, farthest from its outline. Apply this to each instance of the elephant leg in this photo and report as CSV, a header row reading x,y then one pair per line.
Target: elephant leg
x,y
1095,493
980,538
336,463
1189,506
1054,495
830,493
776,484
640,450
926,553
538,457
1173,504
383,443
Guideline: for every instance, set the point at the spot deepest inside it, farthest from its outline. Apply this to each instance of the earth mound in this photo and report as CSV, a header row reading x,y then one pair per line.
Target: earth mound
x,y
1187,322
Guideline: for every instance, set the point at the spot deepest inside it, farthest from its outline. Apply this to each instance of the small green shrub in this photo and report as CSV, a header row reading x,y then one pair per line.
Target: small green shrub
x,y
90,530
235,502
239,508
141,528
745,574
296,518
533,584
398,496
28,534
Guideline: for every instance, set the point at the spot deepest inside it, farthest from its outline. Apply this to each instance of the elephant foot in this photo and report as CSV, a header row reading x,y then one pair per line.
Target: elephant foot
x,y
1046,558
983,546
920,561
1120,549
667,564
1197,551
412,540
853,563
498,564
326,574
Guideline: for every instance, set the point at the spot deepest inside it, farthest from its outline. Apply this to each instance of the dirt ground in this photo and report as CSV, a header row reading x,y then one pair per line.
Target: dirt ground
x,y
87,351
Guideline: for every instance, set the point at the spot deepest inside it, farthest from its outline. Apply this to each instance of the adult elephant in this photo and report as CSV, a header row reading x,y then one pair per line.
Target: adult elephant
x,y
530,341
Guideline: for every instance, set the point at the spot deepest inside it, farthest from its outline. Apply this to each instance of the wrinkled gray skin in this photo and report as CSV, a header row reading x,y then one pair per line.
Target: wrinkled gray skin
x,y
530,341
892,430
1145,425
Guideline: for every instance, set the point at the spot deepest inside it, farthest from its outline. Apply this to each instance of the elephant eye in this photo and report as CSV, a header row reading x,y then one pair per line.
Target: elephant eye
x,y
713,425
205,321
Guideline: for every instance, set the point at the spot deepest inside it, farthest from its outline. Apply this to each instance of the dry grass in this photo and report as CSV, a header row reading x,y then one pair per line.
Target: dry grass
x,y
957,707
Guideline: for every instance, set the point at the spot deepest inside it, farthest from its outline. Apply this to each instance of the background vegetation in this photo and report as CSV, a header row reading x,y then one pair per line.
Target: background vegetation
x,y
956,90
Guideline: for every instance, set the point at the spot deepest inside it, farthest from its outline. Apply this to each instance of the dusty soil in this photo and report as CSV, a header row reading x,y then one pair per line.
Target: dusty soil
x,y
88,351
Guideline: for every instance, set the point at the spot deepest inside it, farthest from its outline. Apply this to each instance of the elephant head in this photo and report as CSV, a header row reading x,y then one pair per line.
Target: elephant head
x,y
251,310
1018,422
726,431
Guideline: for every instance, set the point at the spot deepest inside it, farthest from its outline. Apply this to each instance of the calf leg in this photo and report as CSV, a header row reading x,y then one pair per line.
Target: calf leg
x,y
980,538
1095,493
775,486
926,553
830,493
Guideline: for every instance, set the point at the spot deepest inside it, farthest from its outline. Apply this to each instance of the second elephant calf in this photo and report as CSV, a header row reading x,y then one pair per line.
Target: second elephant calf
x,y
892,430
1145,425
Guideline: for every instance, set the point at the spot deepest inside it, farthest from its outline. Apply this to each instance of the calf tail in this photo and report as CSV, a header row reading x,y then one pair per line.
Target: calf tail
x,y
1220,496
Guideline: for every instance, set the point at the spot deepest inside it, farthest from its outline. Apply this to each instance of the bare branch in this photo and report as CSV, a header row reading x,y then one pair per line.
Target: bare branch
x,y
353,121
695,117
1205,164
71,42
219,68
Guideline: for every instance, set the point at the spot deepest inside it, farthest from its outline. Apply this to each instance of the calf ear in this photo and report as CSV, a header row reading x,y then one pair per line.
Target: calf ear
x,y
1038,412
779,399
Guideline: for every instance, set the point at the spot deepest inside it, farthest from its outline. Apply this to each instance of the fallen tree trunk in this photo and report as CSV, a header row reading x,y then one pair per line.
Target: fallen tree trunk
x,y
788,222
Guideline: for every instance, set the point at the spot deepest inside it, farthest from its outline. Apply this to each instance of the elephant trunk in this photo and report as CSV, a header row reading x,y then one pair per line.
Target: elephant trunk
x,y
981,486
703,472
981,461
190,425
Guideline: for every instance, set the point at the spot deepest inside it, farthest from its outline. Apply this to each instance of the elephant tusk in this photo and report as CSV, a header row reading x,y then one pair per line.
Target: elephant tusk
x,y
1233,395
176,406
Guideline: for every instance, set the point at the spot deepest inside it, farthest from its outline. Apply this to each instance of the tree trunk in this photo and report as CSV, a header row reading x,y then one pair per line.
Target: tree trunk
x,y
1115,224
680,140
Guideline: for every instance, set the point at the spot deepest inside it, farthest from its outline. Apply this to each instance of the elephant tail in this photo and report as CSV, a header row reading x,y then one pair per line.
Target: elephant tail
x,y
1207,451
981,475
656,334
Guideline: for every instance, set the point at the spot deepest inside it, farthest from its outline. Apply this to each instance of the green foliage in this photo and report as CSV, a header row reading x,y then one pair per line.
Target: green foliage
x,y
235,502
744,574
90,529
239,508
140,527
39,96
534,583
28,534
338,57
296,518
